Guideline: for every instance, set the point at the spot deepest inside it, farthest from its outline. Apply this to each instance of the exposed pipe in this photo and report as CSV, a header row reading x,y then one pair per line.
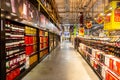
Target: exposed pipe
x,y
87,3
86,6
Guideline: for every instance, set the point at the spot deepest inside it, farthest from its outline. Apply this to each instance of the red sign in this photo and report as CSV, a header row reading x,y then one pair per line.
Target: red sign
x,y
89,24
82,30
100,20
117,15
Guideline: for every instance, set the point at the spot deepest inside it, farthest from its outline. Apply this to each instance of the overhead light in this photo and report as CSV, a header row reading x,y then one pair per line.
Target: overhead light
x,y
2,9
2,15
16,19
13,14
7,4
9,17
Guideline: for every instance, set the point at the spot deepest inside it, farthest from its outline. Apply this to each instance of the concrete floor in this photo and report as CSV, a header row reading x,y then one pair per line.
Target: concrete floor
x,y
64,63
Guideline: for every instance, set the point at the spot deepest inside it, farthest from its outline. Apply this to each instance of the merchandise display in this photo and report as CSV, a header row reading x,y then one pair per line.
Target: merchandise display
x,y
43,53
43,43
103,57
32,29
24,36
25,46
15,49
101,48
31,44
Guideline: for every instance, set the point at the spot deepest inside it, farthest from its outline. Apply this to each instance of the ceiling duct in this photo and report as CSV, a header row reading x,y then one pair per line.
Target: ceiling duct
x,y
67,8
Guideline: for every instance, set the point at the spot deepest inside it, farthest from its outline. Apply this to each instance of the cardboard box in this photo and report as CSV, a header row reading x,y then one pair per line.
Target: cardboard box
x,y
107,60
95,65
26,40
41,54
97,55
116,65
111,63
29,50
33,59
110,76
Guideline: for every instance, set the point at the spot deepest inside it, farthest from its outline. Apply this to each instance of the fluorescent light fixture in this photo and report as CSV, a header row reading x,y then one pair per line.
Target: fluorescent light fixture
x,y
7,4
13,14
21,17
9,17
16,19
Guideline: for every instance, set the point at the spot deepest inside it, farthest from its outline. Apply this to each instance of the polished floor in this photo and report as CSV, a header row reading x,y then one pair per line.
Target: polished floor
x,y
64,63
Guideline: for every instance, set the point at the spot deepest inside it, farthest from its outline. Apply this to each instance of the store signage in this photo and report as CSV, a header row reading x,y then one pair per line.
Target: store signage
x,y
89,24
100,20
112,17
81,31
117,15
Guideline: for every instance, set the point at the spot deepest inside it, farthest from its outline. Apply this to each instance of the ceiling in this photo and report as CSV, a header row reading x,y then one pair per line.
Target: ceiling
x,y
69,10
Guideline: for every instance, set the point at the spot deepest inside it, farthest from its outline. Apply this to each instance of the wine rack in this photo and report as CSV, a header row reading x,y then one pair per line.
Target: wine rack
x,y
43,43
24,47
15,49
31,45
101,56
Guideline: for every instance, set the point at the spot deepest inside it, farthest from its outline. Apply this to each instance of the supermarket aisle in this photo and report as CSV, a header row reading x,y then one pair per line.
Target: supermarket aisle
x,y
64,63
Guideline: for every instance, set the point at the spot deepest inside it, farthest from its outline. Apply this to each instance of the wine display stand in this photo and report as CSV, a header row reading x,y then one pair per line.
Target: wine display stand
x,y
102,56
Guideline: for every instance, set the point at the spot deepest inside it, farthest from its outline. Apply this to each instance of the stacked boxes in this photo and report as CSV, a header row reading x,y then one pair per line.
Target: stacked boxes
x,y
115,65
13,74
33,59
110,76
44,52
